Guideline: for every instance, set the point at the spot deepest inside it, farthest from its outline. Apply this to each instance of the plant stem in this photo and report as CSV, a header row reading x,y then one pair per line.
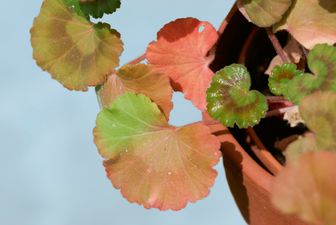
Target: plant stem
x,y
138,60
277,46
263,154
281,111
275,99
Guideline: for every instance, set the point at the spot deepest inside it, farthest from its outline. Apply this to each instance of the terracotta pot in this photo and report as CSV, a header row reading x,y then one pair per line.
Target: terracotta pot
x,y
250,181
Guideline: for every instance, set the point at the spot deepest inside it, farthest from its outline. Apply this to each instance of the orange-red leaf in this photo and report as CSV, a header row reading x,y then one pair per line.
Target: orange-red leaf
x,y
152,163
181,52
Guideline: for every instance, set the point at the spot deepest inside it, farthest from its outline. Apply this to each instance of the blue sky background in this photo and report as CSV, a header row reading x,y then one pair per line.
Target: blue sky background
x,y
50,171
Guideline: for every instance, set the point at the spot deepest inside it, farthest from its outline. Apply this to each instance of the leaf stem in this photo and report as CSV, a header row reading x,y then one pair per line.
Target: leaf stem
x,y
277,46
138,60
263,154
275,99
281,111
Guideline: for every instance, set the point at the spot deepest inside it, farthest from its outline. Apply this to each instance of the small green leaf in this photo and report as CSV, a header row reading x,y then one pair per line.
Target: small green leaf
x,y
280,77
94,8
73,50
152,163
318,110
322,62
265,13
230,100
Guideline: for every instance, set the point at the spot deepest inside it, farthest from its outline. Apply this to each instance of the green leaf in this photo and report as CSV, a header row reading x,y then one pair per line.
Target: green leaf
x,y
230,100
264,13
292,51
322,62
318,110
94,8
311,22
152,163
280,77
307,188
138,78
73,50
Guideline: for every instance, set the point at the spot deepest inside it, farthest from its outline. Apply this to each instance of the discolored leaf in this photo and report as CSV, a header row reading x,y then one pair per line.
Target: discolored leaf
x,y
318,110
181,52
304,144
293,117
138,78
311,22
307,188
280,77
230,100
94,8
152,163
322,62
73,50
264,13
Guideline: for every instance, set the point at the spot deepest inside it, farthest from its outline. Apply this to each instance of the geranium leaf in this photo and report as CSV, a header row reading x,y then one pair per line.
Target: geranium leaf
x,y
311,22
280,77
138,78
73,50
94,8
318,110
264,13
181,52
304,144
230,100
307,188
152,163
292,51
322,62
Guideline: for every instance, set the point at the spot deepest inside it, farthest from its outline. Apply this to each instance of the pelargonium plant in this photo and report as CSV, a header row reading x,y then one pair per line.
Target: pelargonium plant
x,y
158,165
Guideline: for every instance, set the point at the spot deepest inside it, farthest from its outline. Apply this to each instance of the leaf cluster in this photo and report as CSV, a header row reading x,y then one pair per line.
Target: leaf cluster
x,y
161,166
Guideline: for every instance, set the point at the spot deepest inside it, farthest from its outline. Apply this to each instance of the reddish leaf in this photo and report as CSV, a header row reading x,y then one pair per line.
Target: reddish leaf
x,y
307,188
181,53
138,78
152,163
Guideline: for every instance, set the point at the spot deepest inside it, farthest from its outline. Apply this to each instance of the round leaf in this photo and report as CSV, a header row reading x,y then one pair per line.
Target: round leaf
x,y
138,78
152,163
76,52
230,100
280,77
181,52
311,22
307,188
322,62
94,8
264,13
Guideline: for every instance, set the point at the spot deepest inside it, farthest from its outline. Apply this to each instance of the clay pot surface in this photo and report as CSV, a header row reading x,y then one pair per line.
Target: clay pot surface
x,y
249,183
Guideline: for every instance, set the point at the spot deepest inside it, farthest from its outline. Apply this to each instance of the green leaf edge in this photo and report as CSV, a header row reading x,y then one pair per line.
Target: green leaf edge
x,y
231,121
277,83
